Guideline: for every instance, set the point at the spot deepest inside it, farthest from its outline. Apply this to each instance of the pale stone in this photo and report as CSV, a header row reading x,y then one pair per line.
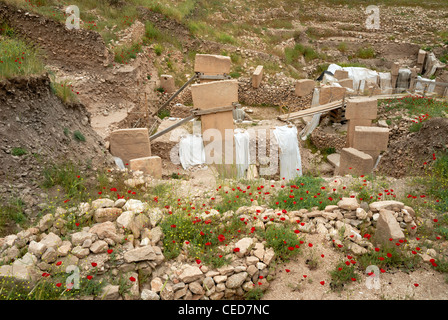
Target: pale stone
x,y
348,204
125,219
236,280
190,274
102,203
140,254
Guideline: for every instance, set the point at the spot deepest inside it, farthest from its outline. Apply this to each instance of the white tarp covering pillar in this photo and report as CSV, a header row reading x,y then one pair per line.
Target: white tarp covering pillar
x,y
191,151
385,82
290,160
242,151
360,76
420,86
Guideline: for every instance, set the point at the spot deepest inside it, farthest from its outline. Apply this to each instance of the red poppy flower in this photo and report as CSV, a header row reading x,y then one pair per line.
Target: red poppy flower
x,y
132,279
89,277
94,264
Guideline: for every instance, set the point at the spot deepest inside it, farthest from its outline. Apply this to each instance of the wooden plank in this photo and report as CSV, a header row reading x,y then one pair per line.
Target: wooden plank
x,y
330,106
312,111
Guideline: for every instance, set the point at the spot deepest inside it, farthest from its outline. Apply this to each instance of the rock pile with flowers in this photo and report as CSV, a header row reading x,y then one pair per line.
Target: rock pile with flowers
x,y
125,249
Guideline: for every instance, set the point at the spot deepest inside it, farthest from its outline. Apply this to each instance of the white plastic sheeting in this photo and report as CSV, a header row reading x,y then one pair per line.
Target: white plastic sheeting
x,y
420,86
310,126
119,163
360,76
432,64
404,78
316,94
191,151
242,151
290,160
385,82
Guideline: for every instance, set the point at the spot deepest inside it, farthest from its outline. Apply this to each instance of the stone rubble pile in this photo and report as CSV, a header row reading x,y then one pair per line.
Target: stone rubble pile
x,y
126,239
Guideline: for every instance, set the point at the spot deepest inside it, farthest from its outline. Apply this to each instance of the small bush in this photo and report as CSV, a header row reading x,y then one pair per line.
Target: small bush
x,y
415,127
78,136
342,47
17,151
151,32
235,74
365,53
64,90
125,53
163,113
158,49
226,38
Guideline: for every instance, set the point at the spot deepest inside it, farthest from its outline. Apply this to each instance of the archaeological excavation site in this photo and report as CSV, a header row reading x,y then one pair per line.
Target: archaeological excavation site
x,y
223,150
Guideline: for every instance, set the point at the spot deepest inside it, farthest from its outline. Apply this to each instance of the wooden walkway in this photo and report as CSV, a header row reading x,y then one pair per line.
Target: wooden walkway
x,y
331,106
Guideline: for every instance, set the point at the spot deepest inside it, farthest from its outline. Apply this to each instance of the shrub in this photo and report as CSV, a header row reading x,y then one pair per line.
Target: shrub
x,y
125,53
342,47
158,49
79,136
365,53
225,38
17,151
415,127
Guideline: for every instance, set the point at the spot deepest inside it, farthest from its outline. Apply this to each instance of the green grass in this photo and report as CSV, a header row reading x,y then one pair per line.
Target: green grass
x,y
78,136
395,3
283,240
304,192
342,275
365,53
63,90
18,151
415,127
18,58
158,49
417,106
66,175
342,47
390,256
292,54
124,53
438,181
12,210
225,38
202,237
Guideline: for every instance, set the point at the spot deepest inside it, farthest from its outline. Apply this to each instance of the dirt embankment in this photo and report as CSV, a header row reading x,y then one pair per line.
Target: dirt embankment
x,y
412,154
38,129
67,49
